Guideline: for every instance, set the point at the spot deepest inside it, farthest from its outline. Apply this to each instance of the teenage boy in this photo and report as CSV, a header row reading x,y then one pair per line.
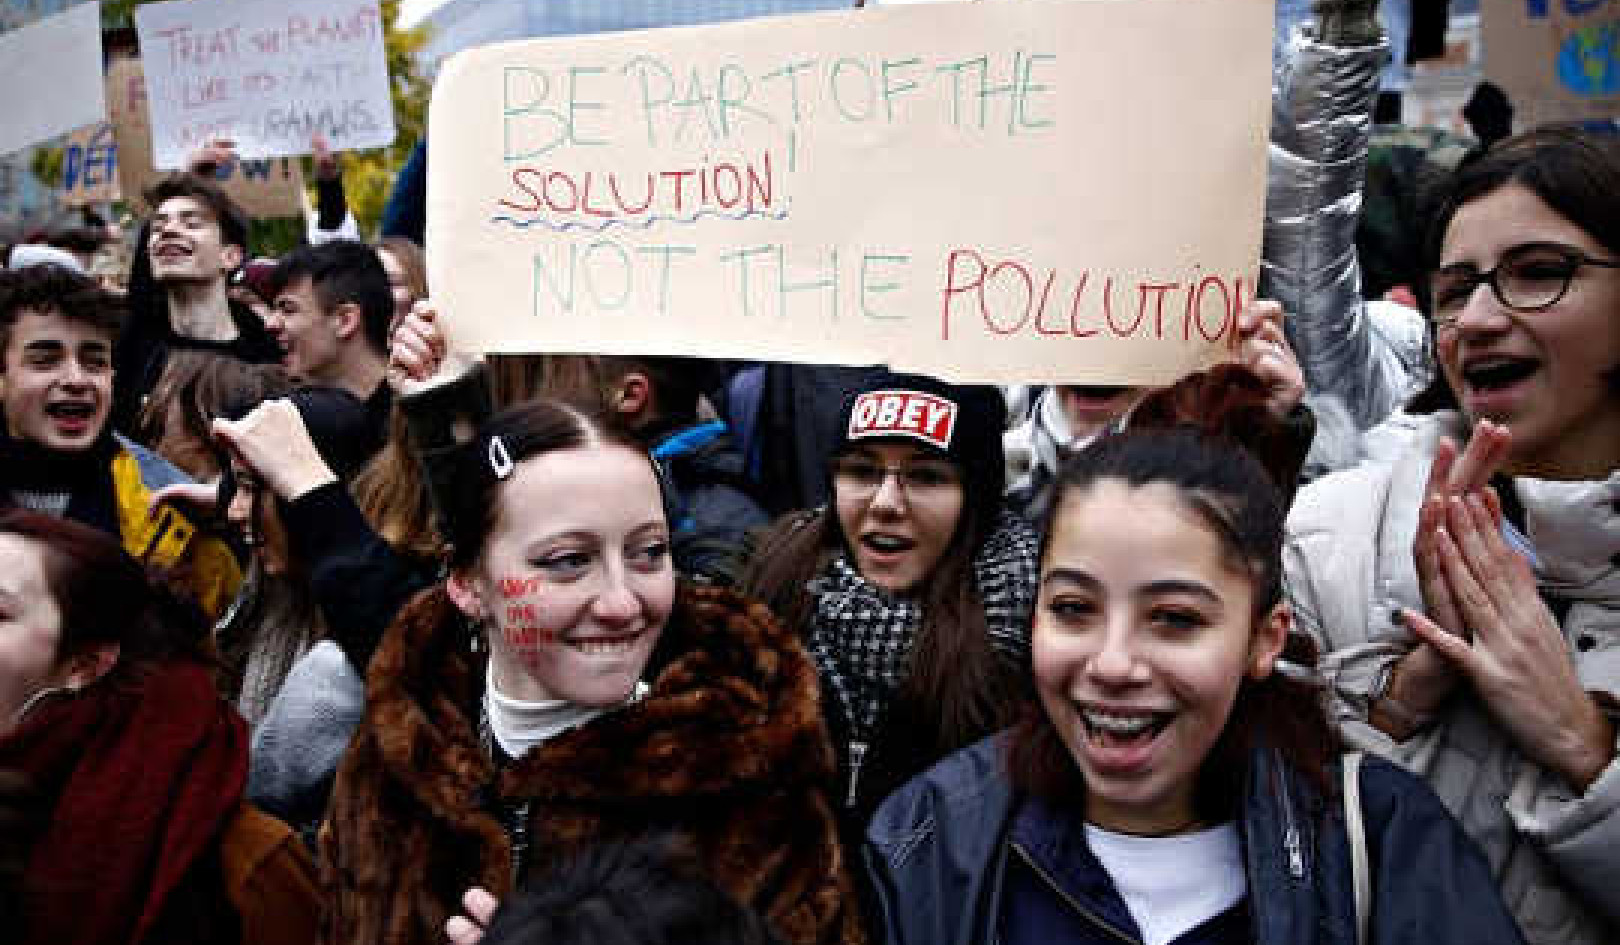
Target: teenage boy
x,y
330,313
186,256
58,453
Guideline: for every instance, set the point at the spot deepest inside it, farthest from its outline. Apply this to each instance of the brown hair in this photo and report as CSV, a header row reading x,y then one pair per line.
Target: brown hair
x,y
1573,171
103,595
1235,496
578,379
525,430
233,222
204,386
967,689
48,289
392,493
411,262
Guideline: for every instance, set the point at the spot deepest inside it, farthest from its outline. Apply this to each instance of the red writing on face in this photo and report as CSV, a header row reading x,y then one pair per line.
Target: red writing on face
x,y
518,587
914,414
528,638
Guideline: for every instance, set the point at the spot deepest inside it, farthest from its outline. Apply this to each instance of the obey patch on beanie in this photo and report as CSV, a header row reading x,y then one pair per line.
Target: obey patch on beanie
x,y
903,413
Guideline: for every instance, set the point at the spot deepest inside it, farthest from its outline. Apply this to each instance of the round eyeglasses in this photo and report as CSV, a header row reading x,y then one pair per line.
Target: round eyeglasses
x,y
1530,277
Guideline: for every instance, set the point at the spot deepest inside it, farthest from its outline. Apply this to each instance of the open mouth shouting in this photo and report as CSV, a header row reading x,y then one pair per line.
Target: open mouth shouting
x,y
171,252
1119,740
1092,405
72,418
886,546
1493,382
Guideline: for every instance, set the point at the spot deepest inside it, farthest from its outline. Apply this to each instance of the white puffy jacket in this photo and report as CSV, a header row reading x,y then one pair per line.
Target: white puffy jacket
x,y
1349,565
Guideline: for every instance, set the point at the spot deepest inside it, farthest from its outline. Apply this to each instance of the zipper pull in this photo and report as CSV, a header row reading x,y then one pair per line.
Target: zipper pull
x,y
1296,859
857,756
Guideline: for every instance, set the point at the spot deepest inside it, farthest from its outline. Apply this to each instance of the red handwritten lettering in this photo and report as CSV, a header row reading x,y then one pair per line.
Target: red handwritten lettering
x,y
747,188
1007,301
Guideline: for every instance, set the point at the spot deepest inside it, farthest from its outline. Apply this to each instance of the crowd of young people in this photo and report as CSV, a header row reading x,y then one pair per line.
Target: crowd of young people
x,y
314,630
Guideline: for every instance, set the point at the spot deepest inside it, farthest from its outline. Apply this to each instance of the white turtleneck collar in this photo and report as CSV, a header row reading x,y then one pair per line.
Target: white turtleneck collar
x,y
519,725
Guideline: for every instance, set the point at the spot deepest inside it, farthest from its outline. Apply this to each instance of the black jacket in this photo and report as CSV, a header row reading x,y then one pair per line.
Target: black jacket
x,y
938,856
709,499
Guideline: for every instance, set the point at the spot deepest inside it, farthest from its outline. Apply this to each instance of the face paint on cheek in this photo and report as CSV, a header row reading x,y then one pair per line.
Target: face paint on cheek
x,y
518,587
521,629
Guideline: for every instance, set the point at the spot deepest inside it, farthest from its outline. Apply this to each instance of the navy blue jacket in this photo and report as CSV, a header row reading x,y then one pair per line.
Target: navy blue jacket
x,y
938,853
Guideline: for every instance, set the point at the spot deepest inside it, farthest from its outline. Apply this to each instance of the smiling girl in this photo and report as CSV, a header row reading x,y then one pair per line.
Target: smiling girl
x,y
559,689
1468,602
1174,785
912,588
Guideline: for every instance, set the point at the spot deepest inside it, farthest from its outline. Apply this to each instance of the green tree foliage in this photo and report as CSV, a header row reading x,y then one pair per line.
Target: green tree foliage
x,y
46,165
367,175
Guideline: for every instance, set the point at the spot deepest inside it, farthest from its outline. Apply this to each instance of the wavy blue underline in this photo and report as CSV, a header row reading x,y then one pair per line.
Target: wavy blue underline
x,y
643,222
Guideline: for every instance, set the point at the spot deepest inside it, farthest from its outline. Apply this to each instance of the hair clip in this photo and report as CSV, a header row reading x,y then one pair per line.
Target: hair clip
x,y
500,461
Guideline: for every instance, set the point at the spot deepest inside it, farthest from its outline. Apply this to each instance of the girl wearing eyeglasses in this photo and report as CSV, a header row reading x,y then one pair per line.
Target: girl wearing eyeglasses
x,y
912,588
1470,591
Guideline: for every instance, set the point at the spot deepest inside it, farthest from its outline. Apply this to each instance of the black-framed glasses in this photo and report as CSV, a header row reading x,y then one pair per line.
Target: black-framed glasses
x,y
1529,277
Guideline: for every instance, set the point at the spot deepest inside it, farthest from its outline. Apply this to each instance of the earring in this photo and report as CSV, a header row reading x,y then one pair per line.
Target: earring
x,y
475,635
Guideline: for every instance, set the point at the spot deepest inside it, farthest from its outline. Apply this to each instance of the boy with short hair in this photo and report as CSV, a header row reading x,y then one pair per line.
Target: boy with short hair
x,y
58,453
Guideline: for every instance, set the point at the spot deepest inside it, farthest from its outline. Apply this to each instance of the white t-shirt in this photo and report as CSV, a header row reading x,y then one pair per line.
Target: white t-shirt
x,y
1173,884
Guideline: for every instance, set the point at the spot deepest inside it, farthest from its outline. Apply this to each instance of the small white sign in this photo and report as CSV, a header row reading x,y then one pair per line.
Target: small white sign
x,y
52,69
266,74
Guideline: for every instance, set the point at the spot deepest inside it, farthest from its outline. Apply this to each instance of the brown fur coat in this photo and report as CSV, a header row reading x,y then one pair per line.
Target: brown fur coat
x,y
728,750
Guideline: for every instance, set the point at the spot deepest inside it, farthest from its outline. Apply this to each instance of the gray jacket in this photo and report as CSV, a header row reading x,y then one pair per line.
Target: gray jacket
x,y
297,747
1349,565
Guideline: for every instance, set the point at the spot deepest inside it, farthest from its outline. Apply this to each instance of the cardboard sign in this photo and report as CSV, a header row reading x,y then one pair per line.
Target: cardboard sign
x,y
266,74
51,71
1557,60
263,188
1036,191
90,166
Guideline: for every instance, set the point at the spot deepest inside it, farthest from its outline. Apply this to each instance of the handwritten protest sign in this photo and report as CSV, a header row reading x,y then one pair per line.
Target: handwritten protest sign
x,y
51,70
267,187
1026,191
1558,60
266,74
90,166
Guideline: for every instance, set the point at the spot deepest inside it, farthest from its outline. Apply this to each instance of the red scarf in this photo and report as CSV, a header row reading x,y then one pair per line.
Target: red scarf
x,y
140,779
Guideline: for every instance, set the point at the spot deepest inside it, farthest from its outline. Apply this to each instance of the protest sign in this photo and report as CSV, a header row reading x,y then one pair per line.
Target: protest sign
x,y
1037,191
266,74
1557,60
52,71
90,166
267,187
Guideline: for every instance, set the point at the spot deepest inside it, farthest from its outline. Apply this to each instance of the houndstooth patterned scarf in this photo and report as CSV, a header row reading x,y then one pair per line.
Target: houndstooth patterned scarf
x,y
862,635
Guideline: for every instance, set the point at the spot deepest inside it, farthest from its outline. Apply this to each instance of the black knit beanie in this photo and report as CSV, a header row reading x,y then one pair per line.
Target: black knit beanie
x,y
963,423
337,425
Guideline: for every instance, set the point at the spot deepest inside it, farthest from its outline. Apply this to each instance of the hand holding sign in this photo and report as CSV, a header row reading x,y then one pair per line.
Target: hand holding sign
x,y
1263,348
947,189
